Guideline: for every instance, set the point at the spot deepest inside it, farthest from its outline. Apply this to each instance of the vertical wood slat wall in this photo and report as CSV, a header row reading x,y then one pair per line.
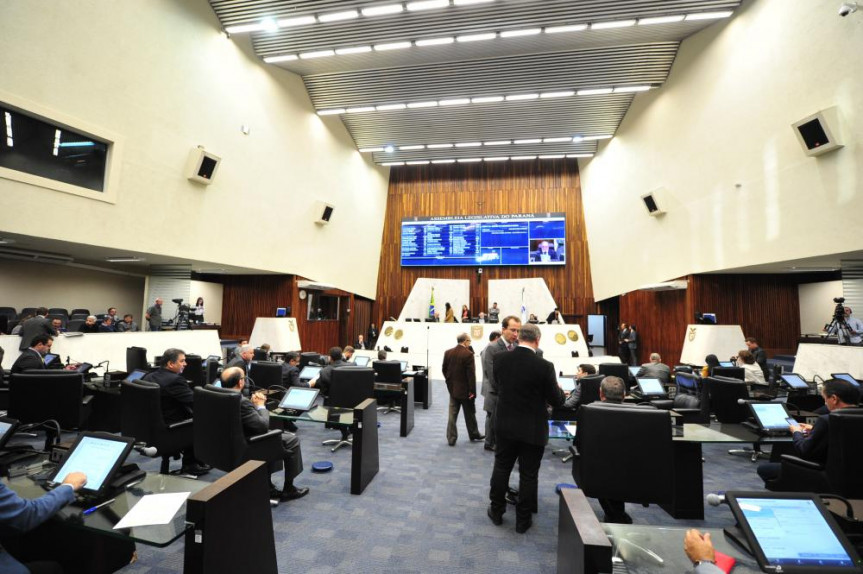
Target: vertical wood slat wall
x,y
765,306
484,189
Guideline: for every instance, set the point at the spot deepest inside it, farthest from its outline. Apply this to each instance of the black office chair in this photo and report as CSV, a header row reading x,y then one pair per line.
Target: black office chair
x,y
52,395
309,358
617,442
388,372
266,374
589,394
58,311
74,325
214,369
194,371
26,311
729,372
85,312
136,358
219,438
691,400
616,370
141,419
78,317
260,355
842,472
349,386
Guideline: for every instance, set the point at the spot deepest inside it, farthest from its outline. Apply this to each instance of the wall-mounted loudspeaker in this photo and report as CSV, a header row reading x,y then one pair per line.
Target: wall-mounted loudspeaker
x,y
323,212
819,133
202,166
649,200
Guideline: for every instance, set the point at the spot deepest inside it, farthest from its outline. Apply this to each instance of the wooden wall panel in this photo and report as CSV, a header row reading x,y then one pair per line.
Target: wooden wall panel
x,y
249,296
481,189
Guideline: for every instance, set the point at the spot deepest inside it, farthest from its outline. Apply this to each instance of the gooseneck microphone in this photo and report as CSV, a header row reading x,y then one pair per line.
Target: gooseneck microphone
x,y
714,499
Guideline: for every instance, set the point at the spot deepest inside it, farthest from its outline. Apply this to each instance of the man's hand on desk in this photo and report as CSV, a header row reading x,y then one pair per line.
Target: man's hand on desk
x,y
76,480
313,382
698,547
71,367
802,427
258,399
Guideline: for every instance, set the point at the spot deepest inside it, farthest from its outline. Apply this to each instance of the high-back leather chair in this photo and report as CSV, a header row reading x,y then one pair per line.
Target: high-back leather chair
x,y
616,370
218,430
729,372
194,371
213,370
57,395
309,358
80,311
617,442
842,472
349,387
724,395
388,371
59,311
266,374
136,358
141,419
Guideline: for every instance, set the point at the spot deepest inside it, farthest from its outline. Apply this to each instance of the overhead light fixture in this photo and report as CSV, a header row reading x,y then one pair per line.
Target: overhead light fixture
x,y
522,157
371,149
245,28
284,58
499,158
578,155
430,104
498,142
470,160
630,89
10,142
338,16
569,28
522,97
31,255
382,10
411,147
612,24
528,141
454,102
419,162
443,161
6,241
709,15
435,41
594,92
556,156
471,2
317,54
660,20
124,259
390,107
439,146
392,163
477,37
389,148
392,46
594,138
427,5
520,33
557,140
487,100
562,94
360,110
474,144
469,144
353,50
331,112
298,21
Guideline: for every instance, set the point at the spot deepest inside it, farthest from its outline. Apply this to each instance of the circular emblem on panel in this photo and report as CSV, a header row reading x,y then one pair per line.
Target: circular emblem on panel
x,y
692,334
388,331
561,340
291,325
476,332
399,334
573,336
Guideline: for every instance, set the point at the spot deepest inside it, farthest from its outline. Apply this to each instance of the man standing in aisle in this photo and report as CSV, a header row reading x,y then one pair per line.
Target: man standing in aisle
x,y
507,342
524,383
154,315
460,374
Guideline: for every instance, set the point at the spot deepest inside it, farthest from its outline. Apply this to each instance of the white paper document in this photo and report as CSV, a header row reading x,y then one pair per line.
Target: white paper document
x,y
154,509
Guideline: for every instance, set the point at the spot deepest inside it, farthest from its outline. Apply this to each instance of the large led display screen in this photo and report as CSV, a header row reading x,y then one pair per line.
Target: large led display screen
x,y
485,240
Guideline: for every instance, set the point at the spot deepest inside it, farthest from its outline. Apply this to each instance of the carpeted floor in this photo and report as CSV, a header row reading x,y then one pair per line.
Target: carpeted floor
x,y
425,510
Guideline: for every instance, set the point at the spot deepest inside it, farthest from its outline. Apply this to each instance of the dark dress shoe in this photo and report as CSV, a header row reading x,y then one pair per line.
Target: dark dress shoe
x,y
489,447
451,442
275,493
496,517
521,527
478,438
195,469
293,494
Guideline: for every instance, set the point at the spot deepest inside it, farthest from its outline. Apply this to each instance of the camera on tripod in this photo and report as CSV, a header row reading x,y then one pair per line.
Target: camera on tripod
x,y
839,311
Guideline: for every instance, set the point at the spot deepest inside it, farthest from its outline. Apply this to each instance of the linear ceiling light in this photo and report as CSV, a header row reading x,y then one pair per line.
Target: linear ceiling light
x,y
500,158
462,145
709,15
440,146
470,160
427,5
338,16
420,162
317,54
595,92
435,41
519,33
477,37
277,59
568,28
382,10
522,97
354,50
660,20
413,105
389,107
443,161
487,100
331,112
612,24
392,163
124,259
411,147
630,89
392,46
455,102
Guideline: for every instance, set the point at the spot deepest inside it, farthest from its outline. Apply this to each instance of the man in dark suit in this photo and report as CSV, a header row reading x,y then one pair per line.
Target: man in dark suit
x,y
508,340
291,371
361,343
460,374
544,253
524,383
810,441
325,377
256,420
243,358
177,400
38,325
655,369
33,357
760,356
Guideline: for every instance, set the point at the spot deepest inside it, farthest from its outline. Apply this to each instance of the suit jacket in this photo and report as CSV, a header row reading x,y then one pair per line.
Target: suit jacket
x,y
761,359
488,355
28,359
632,335
659,371
364,345
21,515
33,326
238,362
177,398
460,372
291,376
255,421
814,445
525,384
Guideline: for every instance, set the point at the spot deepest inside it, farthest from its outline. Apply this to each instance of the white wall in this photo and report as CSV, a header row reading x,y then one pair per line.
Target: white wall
x,y
25,284
161,76
723,118
213,295
816,304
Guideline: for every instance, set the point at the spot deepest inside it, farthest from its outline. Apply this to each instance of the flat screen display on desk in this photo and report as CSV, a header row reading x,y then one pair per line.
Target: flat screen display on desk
x,y
772,525
361,361
299,398
309,372
845,377
96,456
650,387
770,416
483,241
566,383
794,381
7,429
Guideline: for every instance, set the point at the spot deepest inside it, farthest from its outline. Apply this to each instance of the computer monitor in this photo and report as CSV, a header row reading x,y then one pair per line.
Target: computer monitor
x,y
709,318
634,370
685,381
795,381
281,312
727,364
49,358
845,377
650,387
730,372
83,368
96,455
309,372
361,361
771,523
299,398
770,417
7,429
404,365
135,375
566,383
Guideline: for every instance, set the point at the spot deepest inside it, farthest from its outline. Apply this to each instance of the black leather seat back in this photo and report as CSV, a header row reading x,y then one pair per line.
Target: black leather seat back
x,y
845,452
219,438
141,410
54,395
350,386
724,395
388,371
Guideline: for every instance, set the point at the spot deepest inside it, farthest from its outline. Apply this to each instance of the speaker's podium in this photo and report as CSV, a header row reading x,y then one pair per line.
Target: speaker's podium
x,y
237,503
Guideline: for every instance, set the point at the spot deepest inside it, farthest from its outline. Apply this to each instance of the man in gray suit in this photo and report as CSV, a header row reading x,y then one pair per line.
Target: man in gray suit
x,y
655,369
38,325
508,341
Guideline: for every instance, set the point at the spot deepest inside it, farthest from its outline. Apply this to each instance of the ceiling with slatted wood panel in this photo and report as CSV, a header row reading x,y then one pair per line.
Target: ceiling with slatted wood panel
x,y
501,79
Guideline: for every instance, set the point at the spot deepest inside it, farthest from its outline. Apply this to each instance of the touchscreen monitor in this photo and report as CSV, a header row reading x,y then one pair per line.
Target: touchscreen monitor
x,y
770,416
650,386
845,377
361,361
299,398
97,456
795,381
7,429
309,372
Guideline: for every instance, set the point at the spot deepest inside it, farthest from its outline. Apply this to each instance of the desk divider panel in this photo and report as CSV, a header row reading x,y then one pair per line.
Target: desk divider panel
x,y
583,546
366,460
407,418
239,502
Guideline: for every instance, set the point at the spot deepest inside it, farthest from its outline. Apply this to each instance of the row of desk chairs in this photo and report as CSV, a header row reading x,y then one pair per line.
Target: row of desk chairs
x,y
11,313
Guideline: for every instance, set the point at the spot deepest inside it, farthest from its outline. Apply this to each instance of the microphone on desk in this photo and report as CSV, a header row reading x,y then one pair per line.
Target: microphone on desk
x,y
714,499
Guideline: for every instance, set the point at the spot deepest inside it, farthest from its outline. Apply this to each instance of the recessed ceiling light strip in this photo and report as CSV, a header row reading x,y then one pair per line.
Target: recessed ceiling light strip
x,y
486,159
494,143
